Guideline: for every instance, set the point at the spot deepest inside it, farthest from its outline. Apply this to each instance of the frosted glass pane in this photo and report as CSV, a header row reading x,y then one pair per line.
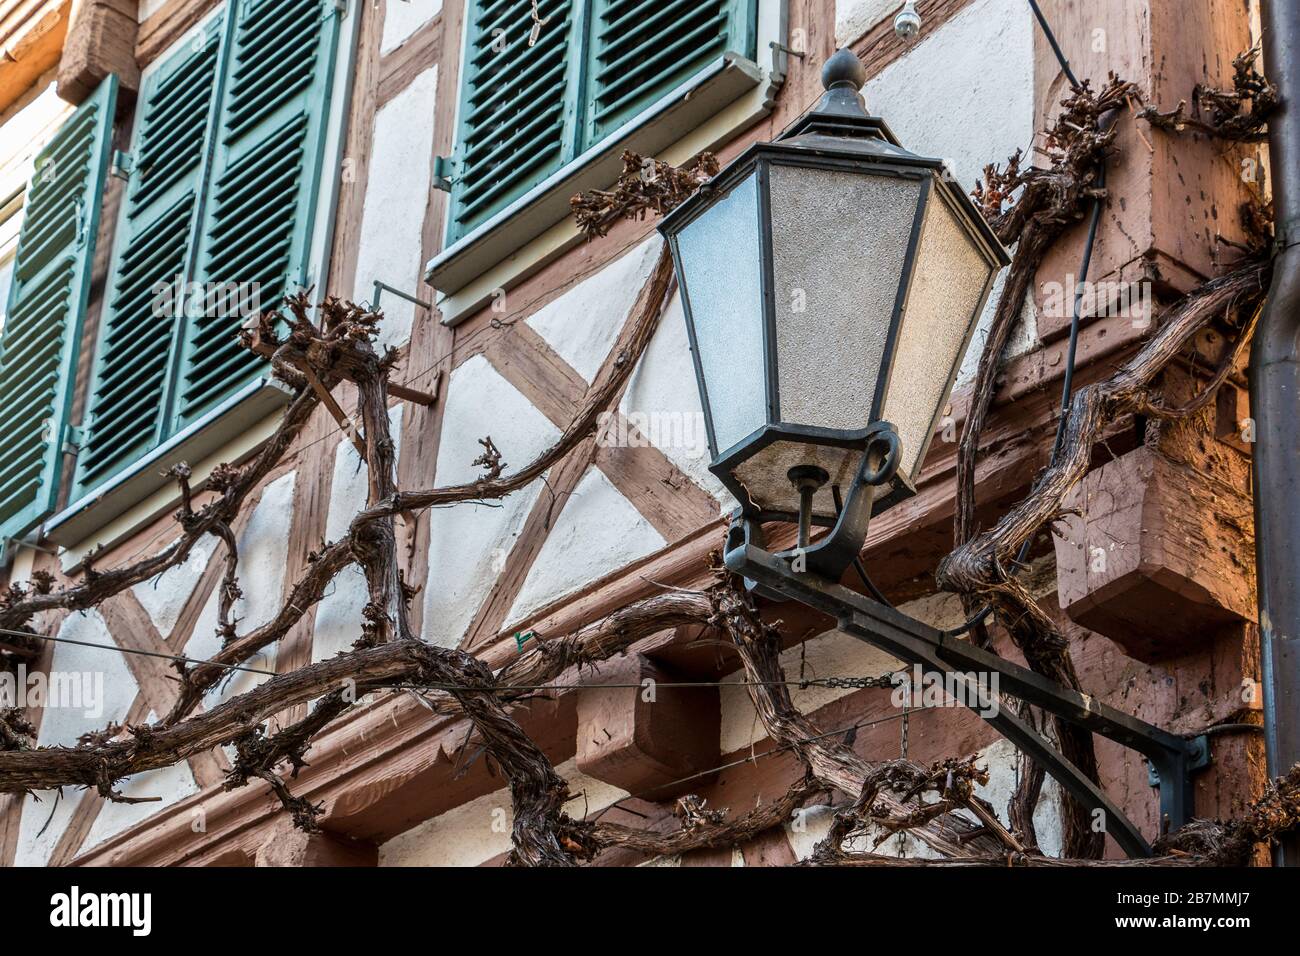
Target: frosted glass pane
x,y
765,475
946,288
719,259
839,241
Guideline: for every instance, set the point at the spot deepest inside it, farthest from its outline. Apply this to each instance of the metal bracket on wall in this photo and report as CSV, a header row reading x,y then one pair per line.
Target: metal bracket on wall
x,y
958,662
443,173
120,167
73,436
1198,760
403,392
787,50
382,287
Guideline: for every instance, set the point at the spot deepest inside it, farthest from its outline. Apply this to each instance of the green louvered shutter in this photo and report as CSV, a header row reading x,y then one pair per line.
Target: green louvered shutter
x,y
155,236
518,110
47,303
257,225
638,50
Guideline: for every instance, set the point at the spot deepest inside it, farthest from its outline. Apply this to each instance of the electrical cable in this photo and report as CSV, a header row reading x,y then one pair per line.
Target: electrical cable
x,y
837,683
136,650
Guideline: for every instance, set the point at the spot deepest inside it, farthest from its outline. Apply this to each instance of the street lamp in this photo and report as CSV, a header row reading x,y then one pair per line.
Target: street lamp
x,y
831,282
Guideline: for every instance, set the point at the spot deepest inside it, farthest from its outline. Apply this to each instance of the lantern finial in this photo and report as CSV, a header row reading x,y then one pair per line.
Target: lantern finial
x,y
841,108
843,71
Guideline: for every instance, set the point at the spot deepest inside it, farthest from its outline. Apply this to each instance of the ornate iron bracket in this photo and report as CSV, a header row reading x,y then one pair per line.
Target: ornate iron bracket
x,y
1173,758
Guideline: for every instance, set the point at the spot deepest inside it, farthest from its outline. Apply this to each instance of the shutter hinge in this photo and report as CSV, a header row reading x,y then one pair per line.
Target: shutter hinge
x,y
332,8
73,436
120,167
443,171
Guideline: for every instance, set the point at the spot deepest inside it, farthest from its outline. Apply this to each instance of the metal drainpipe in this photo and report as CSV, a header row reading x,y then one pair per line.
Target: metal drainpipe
x,y
1275,406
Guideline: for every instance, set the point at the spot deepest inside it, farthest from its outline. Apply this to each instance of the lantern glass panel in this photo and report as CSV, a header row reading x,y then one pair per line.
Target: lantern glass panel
x,y
719,259
765,475
839,248
948,286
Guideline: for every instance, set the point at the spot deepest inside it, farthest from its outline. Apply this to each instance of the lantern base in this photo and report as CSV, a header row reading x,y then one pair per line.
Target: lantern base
x,y
757,471
877,469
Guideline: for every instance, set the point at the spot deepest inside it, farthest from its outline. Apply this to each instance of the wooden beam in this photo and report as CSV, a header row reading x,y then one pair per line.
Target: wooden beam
x,y
287,846
664,495
101,41
1150,554
417,53
167,24
643,739
31,40
431,342
311,497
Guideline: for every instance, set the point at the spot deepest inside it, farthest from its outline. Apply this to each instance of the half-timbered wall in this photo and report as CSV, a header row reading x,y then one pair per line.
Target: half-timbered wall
x,y
610,523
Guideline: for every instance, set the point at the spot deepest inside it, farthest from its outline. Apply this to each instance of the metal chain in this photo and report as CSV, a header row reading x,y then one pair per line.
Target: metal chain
x,y
848,683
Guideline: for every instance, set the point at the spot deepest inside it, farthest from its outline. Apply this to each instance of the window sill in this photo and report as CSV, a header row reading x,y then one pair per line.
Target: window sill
x,y
705,111
93,513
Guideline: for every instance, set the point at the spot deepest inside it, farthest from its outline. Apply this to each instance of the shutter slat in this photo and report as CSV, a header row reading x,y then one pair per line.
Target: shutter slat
x,y
627,23
489,191
545,68
26,459
523,130
51,213
40,341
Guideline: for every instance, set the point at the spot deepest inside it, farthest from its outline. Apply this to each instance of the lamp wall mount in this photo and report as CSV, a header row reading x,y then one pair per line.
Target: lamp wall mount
x,y
1173,759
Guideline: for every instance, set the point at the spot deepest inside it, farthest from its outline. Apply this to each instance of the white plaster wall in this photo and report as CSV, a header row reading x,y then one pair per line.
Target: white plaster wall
x,y
936,99
338,616
62,725
261,577
46,814
26,130
475,832
1000,760
664,385
404,17
599,531
468,542
582,324
170,783
1022,339
397,191
965,93
855,17
164,595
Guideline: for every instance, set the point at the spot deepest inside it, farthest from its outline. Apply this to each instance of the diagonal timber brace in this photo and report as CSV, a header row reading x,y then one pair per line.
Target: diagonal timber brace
x,y
1173,758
